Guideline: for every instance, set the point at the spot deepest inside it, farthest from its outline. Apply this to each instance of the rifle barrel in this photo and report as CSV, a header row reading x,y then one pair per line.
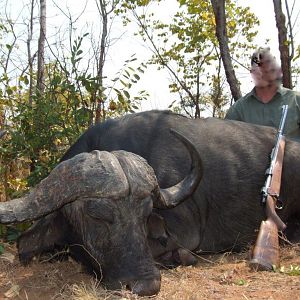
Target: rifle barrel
x,y
274,153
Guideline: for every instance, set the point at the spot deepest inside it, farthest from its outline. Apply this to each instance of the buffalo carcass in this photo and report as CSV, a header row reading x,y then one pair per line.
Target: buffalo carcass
x,y
98,204
224,212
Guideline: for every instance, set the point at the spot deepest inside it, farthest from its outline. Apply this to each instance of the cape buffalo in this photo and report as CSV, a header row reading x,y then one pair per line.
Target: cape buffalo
x,y
98,204
224,212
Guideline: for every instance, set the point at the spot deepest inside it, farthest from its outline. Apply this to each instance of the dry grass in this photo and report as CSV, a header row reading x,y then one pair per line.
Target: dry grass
x,y
225,276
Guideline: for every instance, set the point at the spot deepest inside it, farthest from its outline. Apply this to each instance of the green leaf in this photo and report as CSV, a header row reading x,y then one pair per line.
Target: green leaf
x,y
56,80
9,91
117,91
1,249
241,282
124,83
12,234
136,76
121,99
127,95
26,81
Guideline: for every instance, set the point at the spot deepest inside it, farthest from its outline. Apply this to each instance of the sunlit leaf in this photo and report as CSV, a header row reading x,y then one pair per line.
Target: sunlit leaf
x,y
126,93
13,291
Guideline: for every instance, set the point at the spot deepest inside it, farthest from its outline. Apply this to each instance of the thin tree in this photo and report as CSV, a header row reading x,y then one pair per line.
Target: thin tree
x,y
105,8
221,33
41,49
30,57
283,44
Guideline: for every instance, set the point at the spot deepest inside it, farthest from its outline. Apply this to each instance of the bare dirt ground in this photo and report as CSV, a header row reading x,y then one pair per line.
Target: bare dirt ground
x,y
225,276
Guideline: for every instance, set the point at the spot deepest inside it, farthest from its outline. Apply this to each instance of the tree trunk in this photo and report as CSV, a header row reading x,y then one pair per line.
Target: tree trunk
x,y
221,33
283,44
29,55
41,49
100,110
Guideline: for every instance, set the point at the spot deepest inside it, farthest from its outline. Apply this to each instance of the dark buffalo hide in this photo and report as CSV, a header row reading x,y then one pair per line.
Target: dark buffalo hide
x,y
224,212
98,204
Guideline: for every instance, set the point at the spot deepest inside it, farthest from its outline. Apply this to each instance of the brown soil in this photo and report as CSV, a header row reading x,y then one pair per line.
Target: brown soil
x,y
224,276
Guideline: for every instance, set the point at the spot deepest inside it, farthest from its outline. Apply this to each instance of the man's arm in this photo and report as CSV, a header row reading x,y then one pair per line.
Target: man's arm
x,y
294,132
233,113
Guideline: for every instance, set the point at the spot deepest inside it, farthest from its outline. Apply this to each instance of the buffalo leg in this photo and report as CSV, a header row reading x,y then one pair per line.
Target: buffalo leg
x,y
292,231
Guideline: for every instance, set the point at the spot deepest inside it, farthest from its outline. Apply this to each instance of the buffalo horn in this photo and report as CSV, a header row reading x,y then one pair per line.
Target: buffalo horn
x,y
85,175
172,196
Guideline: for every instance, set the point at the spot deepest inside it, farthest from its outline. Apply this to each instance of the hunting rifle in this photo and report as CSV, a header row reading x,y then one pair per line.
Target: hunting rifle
x,y
266,249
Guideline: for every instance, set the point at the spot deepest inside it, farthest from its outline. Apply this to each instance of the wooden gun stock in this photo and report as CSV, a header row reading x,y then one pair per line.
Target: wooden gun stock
x,y
266,250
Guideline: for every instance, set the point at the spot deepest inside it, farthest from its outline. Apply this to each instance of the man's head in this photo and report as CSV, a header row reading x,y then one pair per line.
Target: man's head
x,y
265,70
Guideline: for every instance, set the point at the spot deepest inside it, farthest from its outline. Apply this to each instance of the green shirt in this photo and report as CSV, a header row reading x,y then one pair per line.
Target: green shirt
x,y
251,110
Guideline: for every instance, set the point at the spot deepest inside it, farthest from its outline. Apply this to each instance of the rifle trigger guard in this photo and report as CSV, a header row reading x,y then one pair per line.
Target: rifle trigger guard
x,y
278,202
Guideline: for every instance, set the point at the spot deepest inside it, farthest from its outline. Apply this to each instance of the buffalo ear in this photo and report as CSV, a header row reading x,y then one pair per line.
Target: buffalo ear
x,y
43,236
157,229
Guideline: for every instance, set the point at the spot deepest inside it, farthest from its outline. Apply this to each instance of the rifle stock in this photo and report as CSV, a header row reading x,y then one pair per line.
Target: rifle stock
x,y
266,250
265,254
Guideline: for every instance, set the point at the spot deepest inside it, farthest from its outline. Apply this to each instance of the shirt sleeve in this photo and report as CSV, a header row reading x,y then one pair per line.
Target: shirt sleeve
x,y
298,101
233,113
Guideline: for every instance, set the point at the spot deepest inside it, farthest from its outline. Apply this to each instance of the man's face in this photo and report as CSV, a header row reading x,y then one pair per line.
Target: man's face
x,y
266,72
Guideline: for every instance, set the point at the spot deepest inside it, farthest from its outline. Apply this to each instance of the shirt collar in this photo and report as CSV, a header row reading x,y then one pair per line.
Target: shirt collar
x,y
281,91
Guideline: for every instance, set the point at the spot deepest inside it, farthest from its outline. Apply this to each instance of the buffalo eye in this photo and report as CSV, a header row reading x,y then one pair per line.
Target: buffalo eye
x,y
147,206
100,209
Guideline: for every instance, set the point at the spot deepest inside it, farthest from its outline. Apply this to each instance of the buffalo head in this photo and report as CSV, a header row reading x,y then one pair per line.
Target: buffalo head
x,y
98,204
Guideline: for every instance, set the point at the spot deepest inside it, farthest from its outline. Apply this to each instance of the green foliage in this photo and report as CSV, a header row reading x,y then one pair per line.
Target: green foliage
x,y
188,48
1,248
297,55
291,271
42,125
241,282
124,81
10,233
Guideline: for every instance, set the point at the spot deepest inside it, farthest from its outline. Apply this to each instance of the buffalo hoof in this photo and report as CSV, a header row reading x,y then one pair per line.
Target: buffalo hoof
x,y
145,287
26,258
260,265
185,257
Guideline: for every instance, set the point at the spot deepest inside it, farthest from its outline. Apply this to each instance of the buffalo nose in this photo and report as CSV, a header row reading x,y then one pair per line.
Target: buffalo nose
x,y
148,287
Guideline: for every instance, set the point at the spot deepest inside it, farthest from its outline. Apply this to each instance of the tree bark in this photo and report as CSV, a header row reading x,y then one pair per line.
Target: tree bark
x,y
104,13
41,48
221,33
29,55
283,44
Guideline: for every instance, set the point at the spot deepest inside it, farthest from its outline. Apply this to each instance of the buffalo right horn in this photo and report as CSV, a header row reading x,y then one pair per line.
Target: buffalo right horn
x,y
172,196
84,175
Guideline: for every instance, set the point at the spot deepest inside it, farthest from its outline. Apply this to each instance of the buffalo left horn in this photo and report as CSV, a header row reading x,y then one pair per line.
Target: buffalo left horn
x,y
172,196
84,175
